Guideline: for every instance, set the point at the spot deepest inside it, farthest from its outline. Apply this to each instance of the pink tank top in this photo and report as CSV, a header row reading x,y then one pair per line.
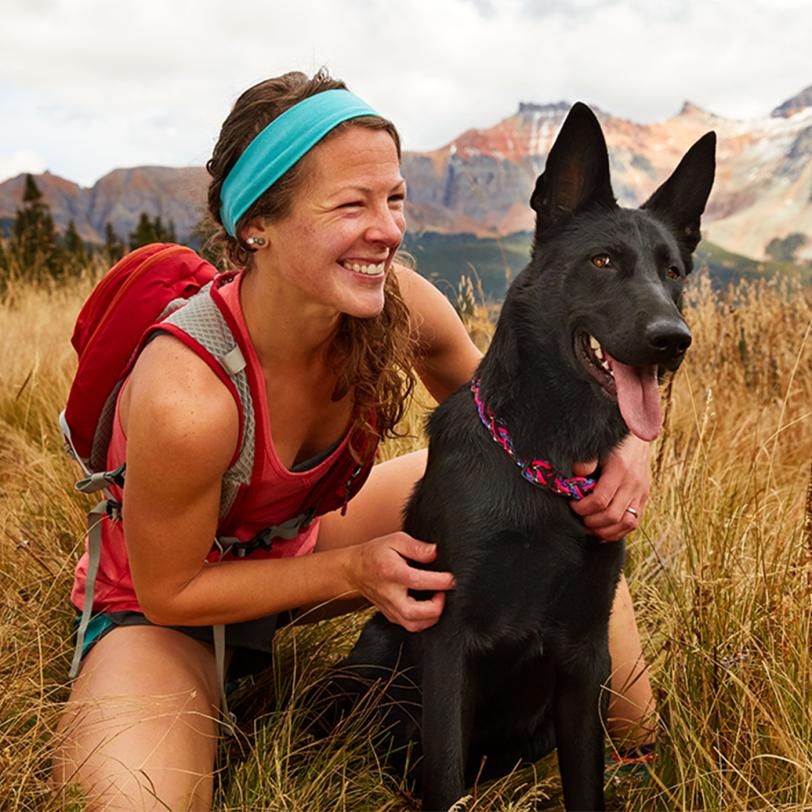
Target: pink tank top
x,y
276,490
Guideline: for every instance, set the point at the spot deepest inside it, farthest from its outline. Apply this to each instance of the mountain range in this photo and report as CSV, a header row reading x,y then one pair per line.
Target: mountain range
x,y
480,183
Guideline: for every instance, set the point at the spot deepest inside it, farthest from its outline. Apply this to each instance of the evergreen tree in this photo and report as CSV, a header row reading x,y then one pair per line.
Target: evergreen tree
x,y
114,248
5,267
144,232
148,231
164,233
75,252
202,240
74,247
33,240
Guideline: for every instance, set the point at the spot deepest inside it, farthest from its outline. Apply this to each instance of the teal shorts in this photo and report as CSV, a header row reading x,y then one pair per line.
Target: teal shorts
x,y
252,640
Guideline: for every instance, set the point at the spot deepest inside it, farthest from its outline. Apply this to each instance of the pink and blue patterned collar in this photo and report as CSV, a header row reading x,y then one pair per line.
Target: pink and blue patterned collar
x,y
536,471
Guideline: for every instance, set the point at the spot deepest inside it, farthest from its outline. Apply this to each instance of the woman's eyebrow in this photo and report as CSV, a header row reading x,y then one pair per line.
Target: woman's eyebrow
x,y
366,189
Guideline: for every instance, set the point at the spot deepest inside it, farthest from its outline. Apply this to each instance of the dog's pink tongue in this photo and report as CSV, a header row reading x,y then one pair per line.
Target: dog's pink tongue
x,y
638,397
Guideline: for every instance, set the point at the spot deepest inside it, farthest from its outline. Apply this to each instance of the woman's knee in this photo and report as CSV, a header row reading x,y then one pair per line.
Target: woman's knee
x,y
141,722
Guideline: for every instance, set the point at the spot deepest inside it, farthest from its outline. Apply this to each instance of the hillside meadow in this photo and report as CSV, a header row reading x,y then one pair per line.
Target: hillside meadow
x,y
720,573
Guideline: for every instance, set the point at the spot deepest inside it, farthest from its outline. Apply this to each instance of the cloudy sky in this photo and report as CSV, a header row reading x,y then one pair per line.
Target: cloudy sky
x,y
90,85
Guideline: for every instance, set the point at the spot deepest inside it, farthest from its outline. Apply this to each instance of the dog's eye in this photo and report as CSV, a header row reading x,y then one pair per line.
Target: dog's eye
x,y
673,272
601,260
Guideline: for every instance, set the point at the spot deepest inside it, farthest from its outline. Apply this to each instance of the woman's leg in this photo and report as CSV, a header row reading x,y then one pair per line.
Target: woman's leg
x,y
139,730
377,509
632,718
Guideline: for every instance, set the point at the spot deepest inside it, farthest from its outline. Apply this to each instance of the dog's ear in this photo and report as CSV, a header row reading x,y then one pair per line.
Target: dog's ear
x,y
577,171
681,200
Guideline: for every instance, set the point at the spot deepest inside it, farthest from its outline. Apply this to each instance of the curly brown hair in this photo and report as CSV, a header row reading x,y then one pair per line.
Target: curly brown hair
x,y
373,357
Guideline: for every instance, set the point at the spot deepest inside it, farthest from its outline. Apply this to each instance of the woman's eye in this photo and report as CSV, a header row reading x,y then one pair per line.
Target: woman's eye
x,y
601,260
397,199
351,204
673,272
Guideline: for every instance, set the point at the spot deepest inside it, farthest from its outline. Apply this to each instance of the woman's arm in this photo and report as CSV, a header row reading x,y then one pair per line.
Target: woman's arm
x,y
182,429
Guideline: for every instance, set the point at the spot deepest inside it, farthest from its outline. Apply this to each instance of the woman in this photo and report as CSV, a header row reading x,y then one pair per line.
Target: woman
x,y
315,217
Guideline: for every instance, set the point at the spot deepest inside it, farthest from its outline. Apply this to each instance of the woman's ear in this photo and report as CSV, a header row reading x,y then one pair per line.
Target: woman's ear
x,y
255,234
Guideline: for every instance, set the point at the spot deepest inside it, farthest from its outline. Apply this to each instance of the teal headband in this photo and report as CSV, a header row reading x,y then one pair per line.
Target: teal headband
x,y
280,145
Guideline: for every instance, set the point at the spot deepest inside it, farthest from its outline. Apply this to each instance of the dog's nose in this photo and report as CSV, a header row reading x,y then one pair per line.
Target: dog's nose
x,y
668,338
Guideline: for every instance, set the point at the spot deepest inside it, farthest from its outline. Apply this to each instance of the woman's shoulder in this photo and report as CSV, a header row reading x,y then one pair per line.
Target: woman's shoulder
x,y
447,355
432,314
424,301
175,399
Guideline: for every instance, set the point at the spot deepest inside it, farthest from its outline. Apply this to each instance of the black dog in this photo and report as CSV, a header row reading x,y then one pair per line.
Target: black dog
x,y
516,663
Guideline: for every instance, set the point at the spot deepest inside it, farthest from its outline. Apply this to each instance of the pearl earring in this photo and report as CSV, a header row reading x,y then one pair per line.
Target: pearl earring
x,y
258,241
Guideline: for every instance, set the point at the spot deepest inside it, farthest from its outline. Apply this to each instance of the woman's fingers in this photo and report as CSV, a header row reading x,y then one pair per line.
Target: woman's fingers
x,y
415,615
615,507
584,468
413,548
615,511
621,517
389,575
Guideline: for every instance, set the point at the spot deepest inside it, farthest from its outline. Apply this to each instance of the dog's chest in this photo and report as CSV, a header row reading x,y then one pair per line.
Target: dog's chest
x,y
534,594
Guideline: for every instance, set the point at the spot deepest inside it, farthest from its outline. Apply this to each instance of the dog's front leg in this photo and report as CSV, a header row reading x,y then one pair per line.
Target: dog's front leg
x,y
579,738
447,712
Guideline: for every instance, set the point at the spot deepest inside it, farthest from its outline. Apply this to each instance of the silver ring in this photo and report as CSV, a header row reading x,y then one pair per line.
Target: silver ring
x,y
633,512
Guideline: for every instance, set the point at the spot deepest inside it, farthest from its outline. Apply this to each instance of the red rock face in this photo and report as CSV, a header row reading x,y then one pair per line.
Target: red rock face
x,y
763,187
481,182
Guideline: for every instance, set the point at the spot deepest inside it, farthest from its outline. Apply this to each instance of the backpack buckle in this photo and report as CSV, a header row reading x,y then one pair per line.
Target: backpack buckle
x,y
101,480
113,509
348,487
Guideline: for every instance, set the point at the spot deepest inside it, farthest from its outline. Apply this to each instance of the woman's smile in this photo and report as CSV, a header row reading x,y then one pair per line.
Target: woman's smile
x,y
365,267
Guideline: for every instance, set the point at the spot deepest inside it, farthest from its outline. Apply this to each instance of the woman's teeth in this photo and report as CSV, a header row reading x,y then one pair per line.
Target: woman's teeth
x,y
370,270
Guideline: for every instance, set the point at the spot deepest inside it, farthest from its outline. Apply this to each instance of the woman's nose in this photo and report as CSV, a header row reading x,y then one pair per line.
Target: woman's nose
x,y
387,227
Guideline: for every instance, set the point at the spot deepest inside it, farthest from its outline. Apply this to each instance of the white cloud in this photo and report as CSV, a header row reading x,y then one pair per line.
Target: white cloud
x,y
91,85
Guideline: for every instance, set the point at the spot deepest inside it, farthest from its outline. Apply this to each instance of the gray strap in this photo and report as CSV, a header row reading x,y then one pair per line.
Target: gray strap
x,y
219,635
201,319
289,529
67,437
286,530
94,544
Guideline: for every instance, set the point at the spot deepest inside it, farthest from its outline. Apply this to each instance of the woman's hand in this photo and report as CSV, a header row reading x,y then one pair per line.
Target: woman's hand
x,y
616,505
381,572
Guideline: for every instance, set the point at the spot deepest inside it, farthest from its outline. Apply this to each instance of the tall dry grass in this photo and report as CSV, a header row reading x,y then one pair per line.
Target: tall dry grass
x,y
721,574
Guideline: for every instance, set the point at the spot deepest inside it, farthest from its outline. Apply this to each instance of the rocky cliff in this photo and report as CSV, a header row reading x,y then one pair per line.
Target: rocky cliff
x,y
118,198
480,183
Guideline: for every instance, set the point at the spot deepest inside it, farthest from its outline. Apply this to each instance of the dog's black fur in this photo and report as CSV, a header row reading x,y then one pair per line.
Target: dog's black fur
x,y
515,665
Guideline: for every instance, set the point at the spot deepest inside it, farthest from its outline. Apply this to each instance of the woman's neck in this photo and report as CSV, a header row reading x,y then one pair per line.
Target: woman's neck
x,y
285,328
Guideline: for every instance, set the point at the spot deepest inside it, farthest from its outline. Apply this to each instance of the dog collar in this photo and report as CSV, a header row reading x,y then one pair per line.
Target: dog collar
x,y
537,472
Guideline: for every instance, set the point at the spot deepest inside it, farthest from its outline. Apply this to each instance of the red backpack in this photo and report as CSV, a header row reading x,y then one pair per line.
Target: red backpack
x,y
169,288
140,290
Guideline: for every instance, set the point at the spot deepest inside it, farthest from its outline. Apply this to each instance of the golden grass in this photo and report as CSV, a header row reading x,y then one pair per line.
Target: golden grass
x,y
721,574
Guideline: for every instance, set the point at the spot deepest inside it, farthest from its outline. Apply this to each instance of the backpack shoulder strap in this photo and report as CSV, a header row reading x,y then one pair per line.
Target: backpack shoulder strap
x,y
200,325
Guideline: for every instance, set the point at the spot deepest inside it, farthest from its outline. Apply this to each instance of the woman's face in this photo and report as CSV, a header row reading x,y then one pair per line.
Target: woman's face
x,y
336,245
